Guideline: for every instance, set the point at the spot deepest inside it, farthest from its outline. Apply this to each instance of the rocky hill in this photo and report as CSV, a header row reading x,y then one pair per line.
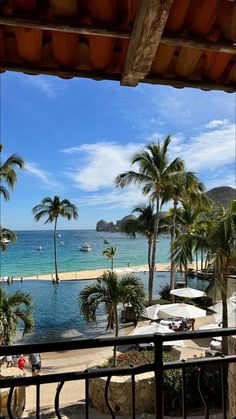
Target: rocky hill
x,y
103,225
222,195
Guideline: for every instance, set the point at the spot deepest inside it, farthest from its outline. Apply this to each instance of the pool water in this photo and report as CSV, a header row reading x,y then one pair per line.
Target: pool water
x,y
57,313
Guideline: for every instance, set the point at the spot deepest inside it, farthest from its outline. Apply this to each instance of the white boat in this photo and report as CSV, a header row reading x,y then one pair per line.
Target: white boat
x,y
6,241
40,248
62,243
85,247
59,235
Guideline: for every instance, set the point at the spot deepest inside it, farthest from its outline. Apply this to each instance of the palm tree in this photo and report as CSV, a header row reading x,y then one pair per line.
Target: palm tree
x,y
111,291
185,244
14,309
52,209
155,174
184,185
5,236
110,252
8,174
221,243
143,224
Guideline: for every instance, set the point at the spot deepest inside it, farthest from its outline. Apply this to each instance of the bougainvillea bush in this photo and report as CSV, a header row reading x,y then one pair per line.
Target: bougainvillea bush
x,y
204,382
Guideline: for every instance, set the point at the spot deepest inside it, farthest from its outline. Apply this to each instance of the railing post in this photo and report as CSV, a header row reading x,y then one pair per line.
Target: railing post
x,y
158,368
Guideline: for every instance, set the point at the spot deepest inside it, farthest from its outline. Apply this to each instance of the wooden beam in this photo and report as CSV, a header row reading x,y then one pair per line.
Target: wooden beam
x,y
112,32
197,84
201,44
96,75
68,26
145,38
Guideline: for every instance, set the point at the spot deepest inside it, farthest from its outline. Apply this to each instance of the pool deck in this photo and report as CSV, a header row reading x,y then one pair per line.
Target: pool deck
x,y
72,395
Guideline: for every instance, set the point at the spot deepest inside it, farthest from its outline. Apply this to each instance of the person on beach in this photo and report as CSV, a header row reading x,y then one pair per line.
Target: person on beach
x,y
35,361
10,362
21,280
21,362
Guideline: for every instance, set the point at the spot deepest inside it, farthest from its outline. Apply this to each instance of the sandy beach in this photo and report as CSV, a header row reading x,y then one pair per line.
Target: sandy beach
x,y
95,273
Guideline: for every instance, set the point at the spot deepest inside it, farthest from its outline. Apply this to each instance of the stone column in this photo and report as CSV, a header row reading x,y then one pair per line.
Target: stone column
x,y
232,378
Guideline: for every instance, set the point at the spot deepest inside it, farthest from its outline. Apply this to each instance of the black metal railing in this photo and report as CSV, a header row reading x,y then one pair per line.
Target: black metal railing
x,y
158,366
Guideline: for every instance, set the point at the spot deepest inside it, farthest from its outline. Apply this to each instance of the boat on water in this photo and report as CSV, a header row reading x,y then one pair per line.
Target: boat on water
x,y
62,243
59,235
85,247
40,248
106,242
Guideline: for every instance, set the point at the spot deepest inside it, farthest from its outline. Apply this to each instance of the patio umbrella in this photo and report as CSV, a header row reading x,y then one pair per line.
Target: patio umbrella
x,y
182,310
151,312
212,326
187,293
218,307
153,328
231,318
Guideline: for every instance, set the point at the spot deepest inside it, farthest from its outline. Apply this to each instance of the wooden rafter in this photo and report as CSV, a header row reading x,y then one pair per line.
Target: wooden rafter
x,y
64,26
98,75
113,32
145,38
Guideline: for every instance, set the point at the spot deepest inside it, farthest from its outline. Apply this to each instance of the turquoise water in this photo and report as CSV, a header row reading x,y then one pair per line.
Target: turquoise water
x,y
23,258
56,308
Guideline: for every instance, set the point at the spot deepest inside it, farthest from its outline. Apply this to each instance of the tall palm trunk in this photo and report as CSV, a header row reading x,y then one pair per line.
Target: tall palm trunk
x,y
150,243
224,309
153,259
55,250
116,334
172,239
197,260
202,259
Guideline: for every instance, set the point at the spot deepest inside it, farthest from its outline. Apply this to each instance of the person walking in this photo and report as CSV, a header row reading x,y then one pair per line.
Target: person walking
x,y
10,362
35,361
21,362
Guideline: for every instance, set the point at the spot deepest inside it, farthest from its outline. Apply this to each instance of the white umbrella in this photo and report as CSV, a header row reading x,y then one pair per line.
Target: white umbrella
x,y
218,307
187,293
182,310
212,326
233,297
231,318
151,312
153,328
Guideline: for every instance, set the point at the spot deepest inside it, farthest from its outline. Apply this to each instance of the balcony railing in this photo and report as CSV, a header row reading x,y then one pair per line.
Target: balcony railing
x,y
158,367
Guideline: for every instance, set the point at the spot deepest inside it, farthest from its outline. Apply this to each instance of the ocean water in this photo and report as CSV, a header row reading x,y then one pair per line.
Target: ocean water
x,y
23,259
57,312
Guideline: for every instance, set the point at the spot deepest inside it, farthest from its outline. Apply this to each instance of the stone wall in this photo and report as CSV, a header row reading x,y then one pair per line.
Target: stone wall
x,y
119,394
232,379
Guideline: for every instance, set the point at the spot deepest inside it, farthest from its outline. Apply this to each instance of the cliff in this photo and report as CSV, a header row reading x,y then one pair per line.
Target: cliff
x,y
103,225
222,195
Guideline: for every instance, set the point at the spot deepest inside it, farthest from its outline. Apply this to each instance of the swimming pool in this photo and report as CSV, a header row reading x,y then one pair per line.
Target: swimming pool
x,y
57,313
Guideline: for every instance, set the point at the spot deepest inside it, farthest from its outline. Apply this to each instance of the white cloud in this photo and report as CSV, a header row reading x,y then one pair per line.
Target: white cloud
x,y
102,162
221,180
127,198
42,83
45,177
217,123
209,150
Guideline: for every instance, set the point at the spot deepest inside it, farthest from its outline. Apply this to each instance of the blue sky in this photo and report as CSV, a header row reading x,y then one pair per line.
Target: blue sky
x,y
77,135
